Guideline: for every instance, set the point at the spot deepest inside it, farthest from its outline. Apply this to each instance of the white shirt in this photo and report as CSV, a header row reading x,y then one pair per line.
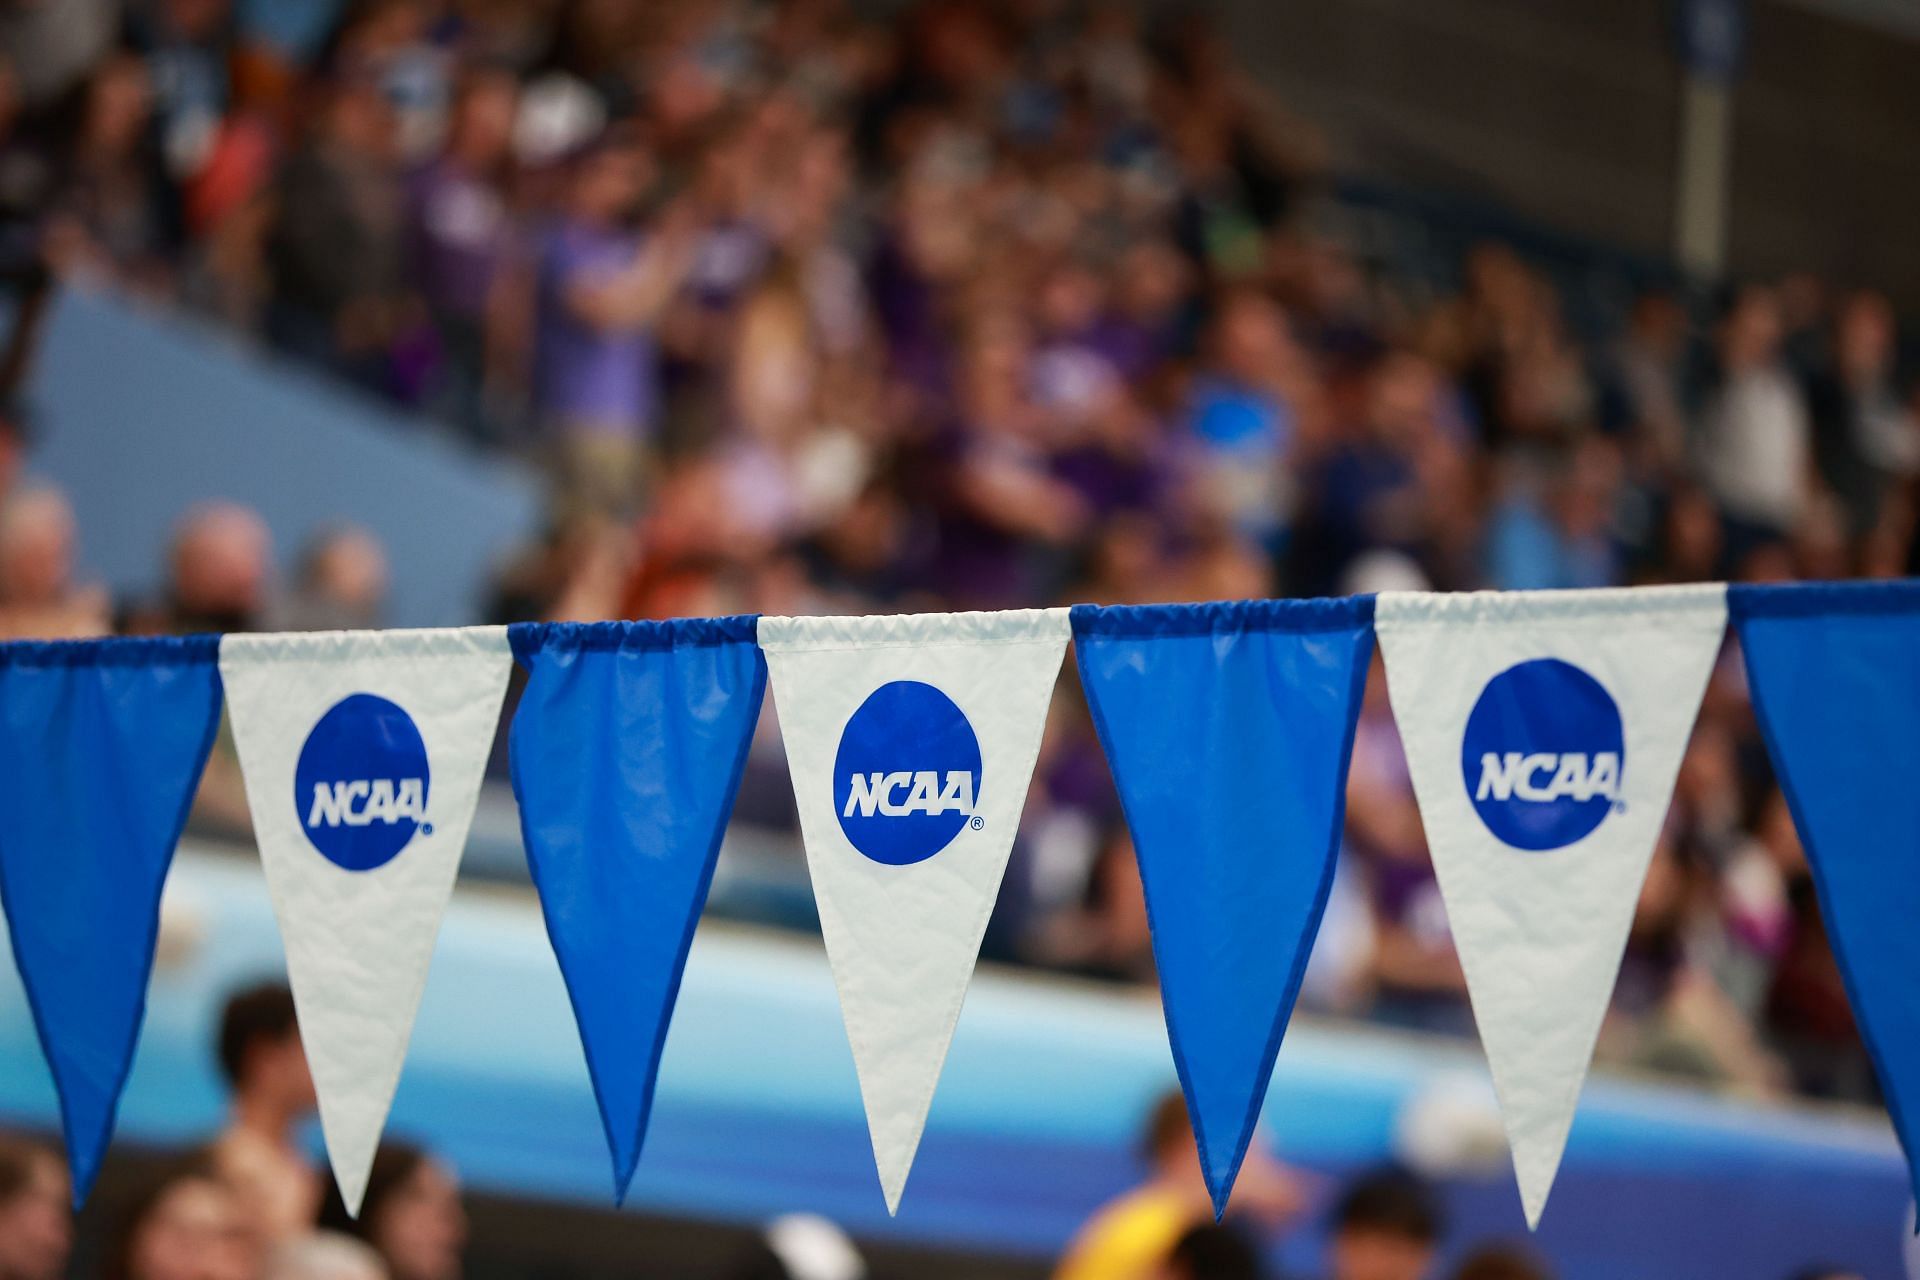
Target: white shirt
x,y
1757,446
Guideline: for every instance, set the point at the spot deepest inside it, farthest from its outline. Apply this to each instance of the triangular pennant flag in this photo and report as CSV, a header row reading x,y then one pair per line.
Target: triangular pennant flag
x,y
101,747
627,749
911,741
1544,731
1835,676
363,753
1228,728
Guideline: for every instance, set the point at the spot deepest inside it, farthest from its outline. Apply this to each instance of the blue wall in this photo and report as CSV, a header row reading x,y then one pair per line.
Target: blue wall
x,y
142,412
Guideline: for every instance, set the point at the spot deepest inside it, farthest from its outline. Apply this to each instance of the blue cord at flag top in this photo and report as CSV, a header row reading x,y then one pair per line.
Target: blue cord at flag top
x,y
1228,728
626,753
101,747
1834,670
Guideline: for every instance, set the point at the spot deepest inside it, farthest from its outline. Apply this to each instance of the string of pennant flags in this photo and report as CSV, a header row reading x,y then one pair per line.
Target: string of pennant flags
x,y
1543,732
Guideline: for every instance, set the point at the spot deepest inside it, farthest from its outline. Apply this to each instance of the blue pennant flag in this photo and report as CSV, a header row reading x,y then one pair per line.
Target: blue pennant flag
x,y
627,750
101,746
1228,728
1835,676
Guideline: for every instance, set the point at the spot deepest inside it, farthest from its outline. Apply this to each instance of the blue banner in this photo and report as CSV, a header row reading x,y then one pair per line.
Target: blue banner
x,y
1228,728
626,754
101,748
1711,36
1835,677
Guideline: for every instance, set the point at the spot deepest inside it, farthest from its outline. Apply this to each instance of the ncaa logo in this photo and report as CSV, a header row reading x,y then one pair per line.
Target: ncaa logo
x,y
907,775
1543,755
360,788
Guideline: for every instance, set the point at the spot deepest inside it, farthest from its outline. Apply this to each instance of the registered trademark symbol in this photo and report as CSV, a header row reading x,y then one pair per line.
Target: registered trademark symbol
x,y
978,822
426,828
1619,806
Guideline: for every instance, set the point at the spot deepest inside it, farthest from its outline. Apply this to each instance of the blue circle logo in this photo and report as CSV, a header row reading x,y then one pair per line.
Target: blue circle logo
x,y
1543,755
907,776
360,788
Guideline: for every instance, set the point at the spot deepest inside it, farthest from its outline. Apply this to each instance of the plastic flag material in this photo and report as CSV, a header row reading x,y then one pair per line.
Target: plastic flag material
x,y
101,747
1835,676
1228,728
1544,732
911,741
363,752
627,749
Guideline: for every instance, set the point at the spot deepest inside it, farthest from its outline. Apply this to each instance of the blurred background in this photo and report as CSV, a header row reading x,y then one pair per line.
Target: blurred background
x,y
341,313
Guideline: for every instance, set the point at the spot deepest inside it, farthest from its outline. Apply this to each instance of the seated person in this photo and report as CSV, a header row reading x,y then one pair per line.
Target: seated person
x,y
36,1215
257,1154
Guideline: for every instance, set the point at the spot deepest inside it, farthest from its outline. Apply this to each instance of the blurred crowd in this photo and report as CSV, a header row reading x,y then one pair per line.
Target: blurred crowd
x,y
250,1204
1381,1223
993,303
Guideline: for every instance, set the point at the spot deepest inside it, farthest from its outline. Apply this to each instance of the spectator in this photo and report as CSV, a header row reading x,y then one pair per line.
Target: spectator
x,y
1756,445
1866,439
337,246
601,289
1559,533
258,1155
325,1255
1005,516
1417,979
227,211
1210,1252
36,1215
460,243
109,217
1650,380
1132,1236
1386,1226
411,1214
342,584
801,1246
1136,1234
1808,1017
188,44
1391,480
1245,414
13,432
186,1226
53,48
1502,1262
219,570
27,180
1676,1017
1692,542
37,597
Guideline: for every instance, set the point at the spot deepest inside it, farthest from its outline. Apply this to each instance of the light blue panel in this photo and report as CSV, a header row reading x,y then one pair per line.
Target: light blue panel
x,y
758,1111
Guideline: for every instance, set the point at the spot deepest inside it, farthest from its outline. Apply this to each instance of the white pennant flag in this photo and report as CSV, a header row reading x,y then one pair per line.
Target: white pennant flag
x,y
911,741
1544,731
363,752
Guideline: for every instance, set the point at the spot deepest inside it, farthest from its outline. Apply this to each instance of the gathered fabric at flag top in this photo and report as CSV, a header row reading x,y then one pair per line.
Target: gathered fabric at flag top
x,y
1544,731
627,748
101,748
911,741
363,753
1228,728
1835,676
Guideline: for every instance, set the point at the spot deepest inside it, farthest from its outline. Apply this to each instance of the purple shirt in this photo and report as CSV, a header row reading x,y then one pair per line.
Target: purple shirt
x,y
459,230
590,381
